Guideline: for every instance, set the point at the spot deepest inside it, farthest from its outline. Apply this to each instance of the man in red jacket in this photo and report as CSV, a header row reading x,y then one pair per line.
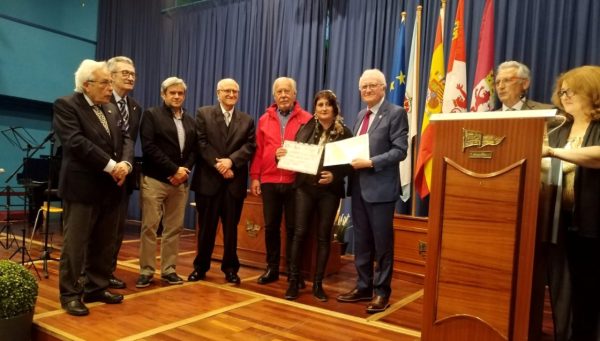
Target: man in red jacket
x,y
280,122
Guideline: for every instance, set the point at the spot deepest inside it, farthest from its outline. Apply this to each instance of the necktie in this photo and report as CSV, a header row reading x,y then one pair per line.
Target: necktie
x,y
227,117
101,117
124,114
365,123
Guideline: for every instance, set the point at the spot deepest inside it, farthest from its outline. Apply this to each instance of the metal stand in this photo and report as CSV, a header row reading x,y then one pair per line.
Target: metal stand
x,y
10,236
24,252
46,254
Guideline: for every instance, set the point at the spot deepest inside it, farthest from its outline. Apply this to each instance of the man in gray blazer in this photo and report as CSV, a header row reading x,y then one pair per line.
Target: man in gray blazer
x,y
375,187
96,159
226,144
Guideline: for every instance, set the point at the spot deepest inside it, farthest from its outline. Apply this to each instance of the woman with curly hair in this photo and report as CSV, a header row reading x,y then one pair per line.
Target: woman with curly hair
x,y
577,143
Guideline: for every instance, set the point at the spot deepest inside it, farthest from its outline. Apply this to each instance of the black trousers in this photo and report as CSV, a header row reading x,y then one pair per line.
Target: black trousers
x,y
584,258
277,199
123,208
311,200
210,209
88,243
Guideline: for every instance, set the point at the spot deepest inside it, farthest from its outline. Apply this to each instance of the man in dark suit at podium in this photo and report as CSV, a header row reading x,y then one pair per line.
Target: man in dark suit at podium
x,y
123,76
375,187
226,144
97,157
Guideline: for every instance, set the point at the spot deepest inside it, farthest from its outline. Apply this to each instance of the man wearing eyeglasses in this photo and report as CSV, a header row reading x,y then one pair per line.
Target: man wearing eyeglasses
x,y
226,144
96,159
280,122
375,187
512,83
122,71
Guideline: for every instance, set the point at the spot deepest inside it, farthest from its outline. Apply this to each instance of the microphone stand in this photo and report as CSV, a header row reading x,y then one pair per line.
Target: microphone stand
x,y
46,254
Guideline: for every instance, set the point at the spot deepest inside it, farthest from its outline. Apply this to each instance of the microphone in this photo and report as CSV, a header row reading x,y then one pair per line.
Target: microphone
x,y
555,122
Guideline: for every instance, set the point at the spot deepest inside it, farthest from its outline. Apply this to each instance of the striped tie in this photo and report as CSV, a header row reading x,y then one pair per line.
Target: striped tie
x,y
124,122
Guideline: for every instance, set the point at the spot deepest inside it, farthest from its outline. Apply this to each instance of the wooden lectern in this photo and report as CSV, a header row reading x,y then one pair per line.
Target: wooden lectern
x,y
482,226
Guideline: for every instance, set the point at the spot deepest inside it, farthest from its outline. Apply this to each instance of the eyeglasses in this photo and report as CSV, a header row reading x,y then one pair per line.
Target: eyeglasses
x,y
283,92
103,83
568,92
371,86
507,81
229,91
126,73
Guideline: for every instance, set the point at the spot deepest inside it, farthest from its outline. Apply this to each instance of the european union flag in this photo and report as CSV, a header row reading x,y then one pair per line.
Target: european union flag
x,y
397,79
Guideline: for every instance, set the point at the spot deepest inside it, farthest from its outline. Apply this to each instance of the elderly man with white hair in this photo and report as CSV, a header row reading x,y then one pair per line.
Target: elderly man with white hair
x,y
97,157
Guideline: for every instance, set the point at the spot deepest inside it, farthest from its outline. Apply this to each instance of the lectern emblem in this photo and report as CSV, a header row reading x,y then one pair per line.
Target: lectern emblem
x,y
252,229
474,138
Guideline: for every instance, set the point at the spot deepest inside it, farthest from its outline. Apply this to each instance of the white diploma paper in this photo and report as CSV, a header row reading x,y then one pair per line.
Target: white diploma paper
x,y
344,151
301,157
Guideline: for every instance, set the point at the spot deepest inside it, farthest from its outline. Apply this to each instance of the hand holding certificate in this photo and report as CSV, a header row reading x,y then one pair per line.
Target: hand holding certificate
x,y
344,151
301,157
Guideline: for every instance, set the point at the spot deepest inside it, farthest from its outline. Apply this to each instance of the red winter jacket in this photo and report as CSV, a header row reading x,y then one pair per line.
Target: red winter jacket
x,y
268,139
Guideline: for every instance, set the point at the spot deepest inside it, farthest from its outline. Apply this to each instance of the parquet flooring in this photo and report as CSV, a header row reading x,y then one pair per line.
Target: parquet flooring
x,y
216,310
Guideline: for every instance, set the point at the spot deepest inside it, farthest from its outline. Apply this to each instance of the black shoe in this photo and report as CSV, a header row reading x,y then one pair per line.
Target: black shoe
x,y
172,278
103,296
143,281
75,308
232,278
115,283
270,275
318,292
196,276
292,290
378,304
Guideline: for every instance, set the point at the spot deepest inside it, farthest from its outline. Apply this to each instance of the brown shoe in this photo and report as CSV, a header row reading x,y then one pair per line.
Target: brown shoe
x,y
355,295
378,304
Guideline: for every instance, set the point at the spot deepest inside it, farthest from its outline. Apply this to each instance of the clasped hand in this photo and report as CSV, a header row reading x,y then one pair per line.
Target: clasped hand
x,y
179,177
223,166
119,172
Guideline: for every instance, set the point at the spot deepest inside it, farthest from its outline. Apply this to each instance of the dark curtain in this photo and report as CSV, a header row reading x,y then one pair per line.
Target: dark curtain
x,y
255,41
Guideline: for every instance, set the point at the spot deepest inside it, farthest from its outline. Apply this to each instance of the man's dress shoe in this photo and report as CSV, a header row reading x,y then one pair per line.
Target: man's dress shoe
x,y
355,295
378,304
232,278
269,276
75,308
115,283
196,276
103,296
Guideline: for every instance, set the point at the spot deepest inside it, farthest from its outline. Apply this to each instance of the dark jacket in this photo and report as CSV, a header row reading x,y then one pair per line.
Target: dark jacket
x,y
160,145
586,211
306,134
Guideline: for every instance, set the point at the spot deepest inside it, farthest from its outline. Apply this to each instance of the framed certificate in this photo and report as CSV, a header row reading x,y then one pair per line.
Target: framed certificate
x,y
301,157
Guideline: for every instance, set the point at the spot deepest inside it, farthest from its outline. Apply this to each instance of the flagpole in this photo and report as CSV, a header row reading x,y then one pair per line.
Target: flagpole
x,y
415,110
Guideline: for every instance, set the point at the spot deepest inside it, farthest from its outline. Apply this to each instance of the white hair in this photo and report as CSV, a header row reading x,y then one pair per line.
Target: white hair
x,y
170,82
522,69
224,80
281,79
85,70
375,73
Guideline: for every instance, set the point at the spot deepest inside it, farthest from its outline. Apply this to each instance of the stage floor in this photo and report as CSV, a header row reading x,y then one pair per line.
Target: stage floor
x,y
216,310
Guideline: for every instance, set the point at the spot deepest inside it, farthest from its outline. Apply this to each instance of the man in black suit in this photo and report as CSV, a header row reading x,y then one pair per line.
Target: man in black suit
x,y
123,76
96,159
168,139
226,143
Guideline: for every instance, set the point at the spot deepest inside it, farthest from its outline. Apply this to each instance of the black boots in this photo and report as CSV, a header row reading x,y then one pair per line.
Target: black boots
x,y
292,291
318,291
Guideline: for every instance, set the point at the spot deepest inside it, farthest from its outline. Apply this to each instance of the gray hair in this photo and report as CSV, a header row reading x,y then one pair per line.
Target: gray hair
x,y
170,82
281,79
376,73
522,69
85,70
112,63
